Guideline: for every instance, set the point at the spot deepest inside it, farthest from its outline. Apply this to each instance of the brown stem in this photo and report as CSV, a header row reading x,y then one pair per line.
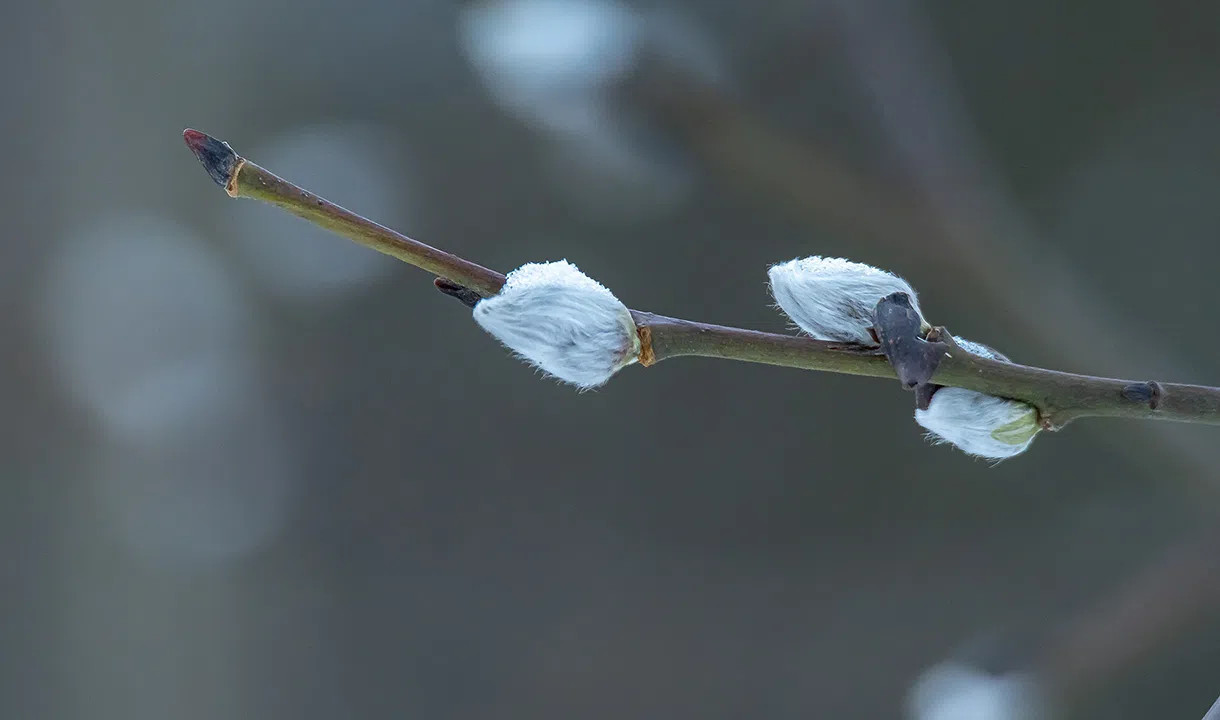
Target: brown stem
x,y
1060,397
672,337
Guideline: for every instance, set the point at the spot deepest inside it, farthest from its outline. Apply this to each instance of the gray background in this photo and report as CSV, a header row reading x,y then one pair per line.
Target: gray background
x,y
249,471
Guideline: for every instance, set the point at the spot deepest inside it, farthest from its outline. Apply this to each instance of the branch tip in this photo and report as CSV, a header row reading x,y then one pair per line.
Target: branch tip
x,y
215,155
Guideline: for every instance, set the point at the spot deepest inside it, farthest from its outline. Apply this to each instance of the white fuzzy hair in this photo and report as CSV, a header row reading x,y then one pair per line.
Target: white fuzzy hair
x,y
979,349
833,298
976,423
561,321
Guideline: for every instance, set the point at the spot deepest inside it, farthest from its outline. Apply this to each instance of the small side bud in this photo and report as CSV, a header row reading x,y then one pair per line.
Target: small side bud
x,y
979,424
563,322
833,298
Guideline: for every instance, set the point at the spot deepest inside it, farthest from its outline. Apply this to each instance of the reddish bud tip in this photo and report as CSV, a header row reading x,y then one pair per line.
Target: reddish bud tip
x,y
194,139
216,156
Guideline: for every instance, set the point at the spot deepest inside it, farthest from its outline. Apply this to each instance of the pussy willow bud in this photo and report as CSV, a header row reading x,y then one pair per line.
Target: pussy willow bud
x,y
833,298
979,424
955,691
563,322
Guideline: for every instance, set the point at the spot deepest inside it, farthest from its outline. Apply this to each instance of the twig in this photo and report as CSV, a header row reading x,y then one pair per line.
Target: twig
x,y
1059,397
987,256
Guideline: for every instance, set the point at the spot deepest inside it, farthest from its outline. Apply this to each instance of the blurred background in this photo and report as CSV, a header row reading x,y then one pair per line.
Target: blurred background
x,y
250,470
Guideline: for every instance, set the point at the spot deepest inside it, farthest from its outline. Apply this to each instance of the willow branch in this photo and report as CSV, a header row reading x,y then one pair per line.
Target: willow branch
x,y
1059,397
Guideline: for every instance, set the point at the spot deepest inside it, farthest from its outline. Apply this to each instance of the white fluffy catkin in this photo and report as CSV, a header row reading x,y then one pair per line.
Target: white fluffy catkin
x,y
562,322
979,424
954,691
833,298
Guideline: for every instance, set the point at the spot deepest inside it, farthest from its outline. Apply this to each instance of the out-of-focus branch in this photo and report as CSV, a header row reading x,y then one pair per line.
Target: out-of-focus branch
x,y
800,177
1157,604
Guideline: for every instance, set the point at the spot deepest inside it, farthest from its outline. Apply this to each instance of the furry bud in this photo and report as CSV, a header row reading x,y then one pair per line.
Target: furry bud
x,y
833,298
976,423
561,321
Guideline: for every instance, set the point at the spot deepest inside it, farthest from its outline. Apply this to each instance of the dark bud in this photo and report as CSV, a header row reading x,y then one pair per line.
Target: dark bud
x,y
1145,393
924,393
898,325
217,157
468,297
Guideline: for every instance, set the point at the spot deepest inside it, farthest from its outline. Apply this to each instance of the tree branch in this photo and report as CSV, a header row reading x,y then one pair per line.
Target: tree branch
x,y
1059,397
